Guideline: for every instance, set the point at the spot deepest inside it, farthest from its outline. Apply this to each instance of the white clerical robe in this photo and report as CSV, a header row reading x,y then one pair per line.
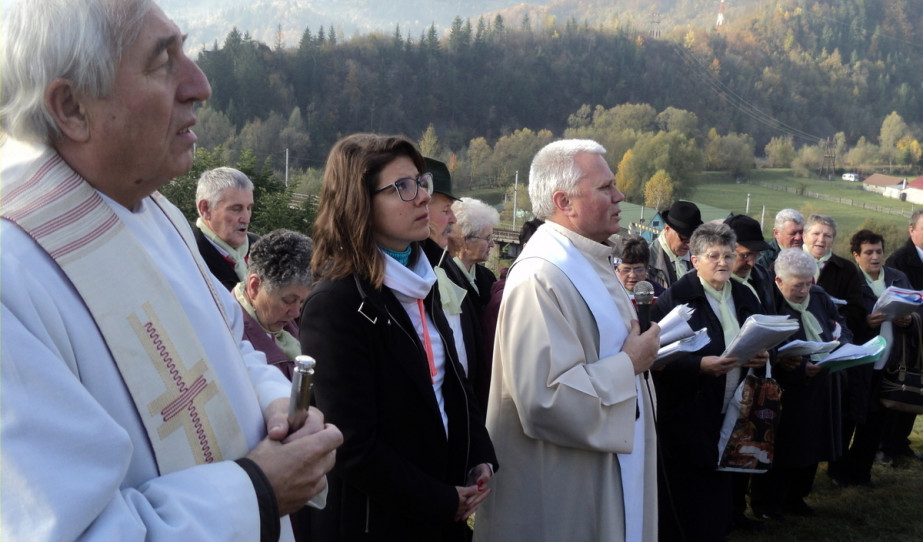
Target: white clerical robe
x,y
76,463
559,414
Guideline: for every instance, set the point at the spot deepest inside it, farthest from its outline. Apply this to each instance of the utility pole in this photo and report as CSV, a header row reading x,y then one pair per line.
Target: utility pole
x,y
286,168
515,199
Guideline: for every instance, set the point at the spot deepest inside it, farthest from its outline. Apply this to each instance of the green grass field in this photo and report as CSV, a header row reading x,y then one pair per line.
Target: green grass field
x,y
891,511
718,190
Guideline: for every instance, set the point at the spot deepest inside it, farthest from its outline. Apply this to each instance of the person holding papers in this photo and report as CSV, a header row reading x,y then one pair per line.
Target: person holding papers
x,y
693,391
868,249
809,428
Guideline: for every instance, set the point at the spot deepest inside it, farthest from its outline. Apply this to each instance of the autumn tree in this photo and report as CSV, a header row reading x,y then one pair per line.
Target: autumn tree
x,y
658,191
893,128
627,177
780,151
429,143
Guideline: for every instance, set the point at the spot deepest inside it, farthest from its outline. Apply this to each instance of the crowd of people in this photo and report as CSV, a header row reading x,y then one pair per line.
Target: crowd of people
x,y
146,362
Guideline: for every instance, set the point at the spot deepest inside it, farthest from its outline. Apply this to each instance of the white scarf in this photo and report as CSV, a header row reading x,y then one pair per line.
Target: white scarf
x,y
410,284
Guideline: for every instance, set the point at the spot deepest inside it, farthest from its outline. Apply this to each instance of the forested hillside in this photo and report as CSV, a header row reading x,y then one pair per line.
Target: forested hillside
x,y
790,73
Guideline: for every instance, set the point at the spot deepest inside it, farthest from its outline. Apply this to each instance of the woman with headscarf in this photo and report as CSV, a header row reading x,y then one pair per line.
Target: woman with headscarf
x,y
693,391
416,456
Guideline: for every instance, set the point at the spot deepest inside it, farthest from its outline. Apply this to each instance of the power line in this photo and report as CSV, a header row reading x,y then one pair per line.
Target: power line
x,y
705,75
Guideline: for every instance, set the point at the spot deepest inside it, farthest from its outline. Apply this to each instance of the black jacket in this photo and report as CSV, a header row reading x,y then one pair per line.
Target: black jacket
x,y
472,331
217,264
689,403
907,259
810,429
396,471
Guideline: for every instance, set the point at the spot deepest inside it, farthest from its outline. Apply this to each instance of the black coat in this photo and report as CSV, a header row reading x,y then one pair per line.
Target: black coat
x,y
478,361
843,280
764,284
396,471
907,259
809,427
689,403
218,264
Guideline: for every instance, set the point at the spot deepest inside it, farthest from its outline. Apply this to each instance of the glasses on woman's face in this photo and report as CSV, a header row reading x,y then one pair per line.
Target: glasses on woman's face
x,y
408,187
638,271
489,238
715,257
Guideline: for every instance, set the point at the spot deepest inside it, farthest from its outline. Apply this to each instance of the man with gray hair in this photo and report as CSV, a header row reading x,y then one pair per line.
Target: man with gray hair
x,y
787,232
224,199
568,408
132,407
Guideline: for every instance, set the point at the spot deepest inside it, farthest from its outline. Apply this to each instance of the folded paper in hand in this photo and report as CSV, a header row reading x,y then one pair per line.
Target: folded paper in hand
x,y
896,303
806,348
850,355
760,332
676,337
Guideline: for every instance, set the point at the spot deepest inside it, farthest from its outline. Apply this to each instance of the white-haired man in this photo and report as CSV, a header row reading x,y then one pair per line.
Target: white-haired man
x,y
224,200
568,409
787,232
132,408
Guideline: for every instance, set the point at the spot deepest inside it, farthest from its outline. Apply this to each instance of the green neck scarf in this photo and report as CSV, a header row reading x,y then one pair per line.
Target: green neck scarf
x,y
239,254
812,329
286,342
470,275
746,282
877,286
678,264
819,261
729,324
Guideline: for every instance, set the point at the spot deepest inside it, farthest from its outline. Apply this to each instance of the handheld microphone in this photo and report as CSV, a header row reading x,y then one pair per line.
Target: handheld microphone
x,y
644,295
302,382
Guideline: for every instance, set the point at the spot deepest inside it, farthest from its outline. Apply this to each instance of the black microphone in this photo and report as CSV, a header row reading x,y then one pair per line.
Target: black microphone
x,y
644,295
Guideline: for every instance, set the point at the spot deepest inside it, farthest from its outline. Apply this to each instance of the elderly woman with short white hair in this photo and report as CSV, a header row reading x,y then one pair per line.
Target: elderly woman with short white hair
x,y
809,429
693,391
470,244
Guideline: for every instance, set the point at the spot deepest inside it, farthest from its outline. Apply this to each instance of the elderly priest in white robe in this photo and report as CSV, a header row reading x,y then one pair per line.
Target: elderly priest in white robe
x,y
131,407
569,410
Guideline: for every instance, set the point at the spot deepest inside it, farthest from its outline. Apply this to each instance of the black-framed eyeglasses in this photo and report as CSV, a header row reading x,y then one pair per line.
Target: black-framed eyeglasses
x,y
408,187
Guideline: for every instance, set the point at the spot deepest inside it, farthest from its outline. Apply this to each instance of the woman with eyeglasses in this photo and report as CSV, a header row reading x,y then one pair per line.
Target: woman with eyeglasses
x,y
809,428
693,391
416,458
634,255
470,244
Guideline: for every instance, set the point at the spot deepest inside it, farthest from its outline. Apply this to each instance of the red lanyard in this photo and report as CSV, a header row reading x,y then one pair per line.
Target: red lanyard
x,y
427,343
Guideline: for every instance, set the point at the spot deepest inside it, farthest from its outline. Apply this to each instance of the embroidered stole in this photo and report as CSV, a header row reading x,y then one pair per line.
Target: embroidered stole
x,y
188,417
560,251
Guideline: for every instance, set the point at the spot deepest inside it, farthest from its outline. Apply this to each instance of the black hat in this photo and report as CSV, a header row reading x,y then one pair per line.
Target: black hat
x,y
442,181
683,216
748,232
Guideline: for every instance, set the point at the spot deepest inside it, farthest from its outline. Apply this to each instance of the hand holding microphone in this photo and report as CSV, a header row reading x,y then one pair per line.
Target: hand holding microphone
x,y
642,348
644,296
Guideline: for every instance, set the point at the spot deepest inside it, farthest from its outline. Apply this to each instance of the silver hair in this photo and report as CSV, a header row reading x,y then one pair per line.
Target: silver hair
x,y
794,263
213,182
788,215
281,258
554,168
826,220
711,234
43,40
915,217
473,216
